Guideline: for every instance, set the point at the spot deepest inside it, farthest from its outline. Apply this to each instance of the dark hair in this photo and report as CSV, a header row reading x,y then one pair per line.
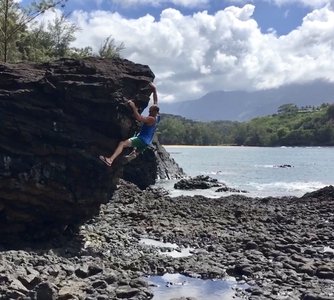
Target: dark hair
x,y
155,108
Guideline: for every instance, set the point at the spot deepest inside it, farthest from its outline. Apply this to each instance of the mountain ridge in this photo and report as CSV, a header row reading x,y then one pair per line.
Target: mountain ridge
x,y
245,105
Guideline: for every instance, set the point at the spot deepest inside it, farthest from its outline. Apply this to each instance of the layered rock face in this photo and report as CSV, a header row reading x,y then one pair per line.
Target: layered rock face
x,y
55,120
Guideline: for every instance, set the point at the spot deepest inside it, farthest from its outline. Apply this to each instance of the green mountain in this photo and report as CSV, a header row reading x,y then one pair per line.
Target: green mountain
x,y
290,126
243,106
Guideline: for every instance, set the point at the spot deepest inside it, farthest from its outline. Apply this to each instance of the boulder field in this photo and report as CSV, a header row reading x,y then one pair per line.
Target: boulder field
x,y
281,248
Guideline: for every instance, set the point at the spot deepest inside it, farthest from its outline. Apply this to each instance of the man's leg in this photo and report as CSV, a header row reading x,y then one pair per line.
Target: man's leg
x,y
118,151
139,147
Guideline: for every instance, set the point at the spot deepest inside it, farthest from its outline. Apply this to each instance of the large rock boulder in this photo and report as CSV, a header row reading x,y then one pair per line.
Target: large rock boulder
x,y
55,120
158,165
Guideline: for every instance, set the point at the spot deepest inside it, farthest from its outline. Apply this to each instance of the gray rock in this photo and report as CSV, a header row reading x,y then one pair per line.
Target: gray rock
x,y
45,291
126,292
325,275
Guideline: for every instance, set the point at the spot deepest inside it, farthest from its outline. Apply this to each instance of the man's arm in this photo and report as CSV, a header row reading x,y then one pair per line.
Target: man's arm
x,y
154,91
148,120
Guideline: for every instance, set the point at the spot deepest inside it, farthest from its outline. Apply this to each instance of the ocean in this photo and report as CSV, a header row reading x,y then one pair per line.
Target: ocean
x,y
261,171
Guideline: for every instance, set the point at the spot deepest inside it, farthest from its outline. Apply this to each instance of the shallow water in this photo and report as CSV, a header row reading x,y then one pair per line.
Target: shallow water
x,y
256,169
176,285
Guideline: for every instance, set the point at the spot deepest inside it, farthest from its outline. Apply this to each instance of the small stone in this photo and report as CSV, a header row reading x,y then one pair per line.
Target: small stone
x,y
126,292
45,291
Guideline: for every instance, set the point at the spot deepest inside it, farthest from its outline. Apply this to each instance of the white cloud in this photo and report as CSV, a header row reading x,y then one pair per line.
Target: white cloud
x,y
308,3
194,54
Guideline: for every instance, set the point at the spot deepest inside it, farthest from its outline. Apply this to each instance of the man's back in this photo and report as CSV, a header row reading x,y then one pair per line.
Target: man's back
x,y
147,131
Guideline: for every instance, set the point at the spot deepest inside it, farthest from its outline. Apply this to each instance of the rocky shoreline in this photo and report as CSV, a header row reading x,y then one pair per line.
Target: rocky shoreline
x,y
281,247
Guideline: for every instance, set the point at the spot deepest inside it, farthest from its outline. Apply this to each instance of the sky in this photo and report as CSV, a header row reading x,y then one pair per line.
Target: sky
x,y
199,46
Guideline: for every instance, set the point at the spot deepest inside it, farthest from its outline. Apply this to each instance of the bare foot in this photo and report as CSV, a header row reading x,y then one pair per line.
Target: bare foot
x,y
131,156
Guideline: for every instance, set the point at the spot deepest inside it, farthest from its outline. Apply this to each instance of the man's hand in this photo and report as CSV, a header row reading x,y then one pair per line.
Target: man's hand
x,y
137,115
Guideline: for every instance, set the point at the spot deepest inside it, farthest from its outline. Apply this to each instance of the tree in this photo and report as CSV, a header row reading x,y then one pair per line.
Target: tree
x,y
14,20
8,27
281,132
330,112
52,41
81,52
109,49
325,134
62,34
240,135
34,45
287,109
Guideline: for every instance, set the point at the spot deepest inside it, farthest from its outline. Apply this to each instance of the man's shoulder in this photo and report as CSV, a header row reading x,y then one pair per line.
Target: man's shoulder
x,y
149,120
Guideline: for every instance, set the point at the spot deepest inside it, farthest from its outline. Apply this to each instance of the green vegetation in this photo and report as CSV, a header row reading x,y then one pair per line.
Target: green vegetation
x,y
291,126
21,39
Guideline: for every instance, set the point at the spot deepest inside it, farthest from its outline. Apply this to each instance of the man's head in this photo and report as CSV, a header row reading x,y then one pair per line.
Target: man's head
x,y
154,110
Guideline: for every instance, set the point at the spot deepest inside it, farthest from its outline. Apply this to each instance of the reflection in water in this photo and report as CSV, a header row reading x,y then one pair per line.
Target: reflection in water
x,y
328,249
176,285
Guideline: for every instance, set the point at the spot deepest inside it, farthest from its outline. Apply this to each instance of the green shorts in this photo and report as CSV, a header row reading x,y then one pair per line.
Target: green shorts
x,y
137,143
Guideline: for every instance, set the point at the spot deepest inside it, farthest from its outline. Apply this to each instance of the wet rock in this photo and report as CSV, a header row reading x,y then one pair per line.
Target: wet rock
x,y
203,182
228,189
198,182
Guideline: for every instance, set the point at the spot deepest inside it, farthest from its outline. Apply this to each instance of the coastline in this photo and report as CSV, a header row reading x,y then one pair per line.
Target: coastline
x,y
241,146
263,172
281,247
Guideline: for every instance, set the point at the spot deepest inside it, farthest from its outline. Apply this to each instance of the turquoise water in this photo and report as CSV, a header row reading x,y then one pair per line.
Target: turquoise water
x,y
255,169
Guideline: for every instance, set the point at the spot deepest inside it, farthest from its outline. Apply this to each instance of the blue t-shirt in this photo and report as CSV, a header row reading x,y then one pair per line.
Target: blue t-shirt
x,y
147,131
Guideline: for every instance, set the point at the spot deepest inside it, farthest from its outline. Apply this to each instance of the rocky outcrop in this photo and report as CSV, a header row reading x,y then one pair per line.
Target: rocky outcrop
x,y
202,182
324,193
158,165
198,182
55,119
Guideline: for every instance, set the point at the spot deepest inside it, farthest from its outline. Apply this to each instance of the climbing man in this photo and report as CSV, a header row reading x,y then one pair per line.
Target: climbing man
x,y
141,141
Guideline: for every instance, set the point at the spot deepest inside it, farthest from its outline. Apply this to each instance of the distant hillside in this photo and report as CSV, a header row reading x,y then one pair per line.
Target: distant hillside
x,y
243,106
291,126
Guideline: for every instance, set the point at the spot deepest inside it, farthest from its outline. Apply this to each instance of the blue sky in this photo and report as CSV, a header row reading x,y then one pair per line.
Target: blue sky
x,y
282,18
198,46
